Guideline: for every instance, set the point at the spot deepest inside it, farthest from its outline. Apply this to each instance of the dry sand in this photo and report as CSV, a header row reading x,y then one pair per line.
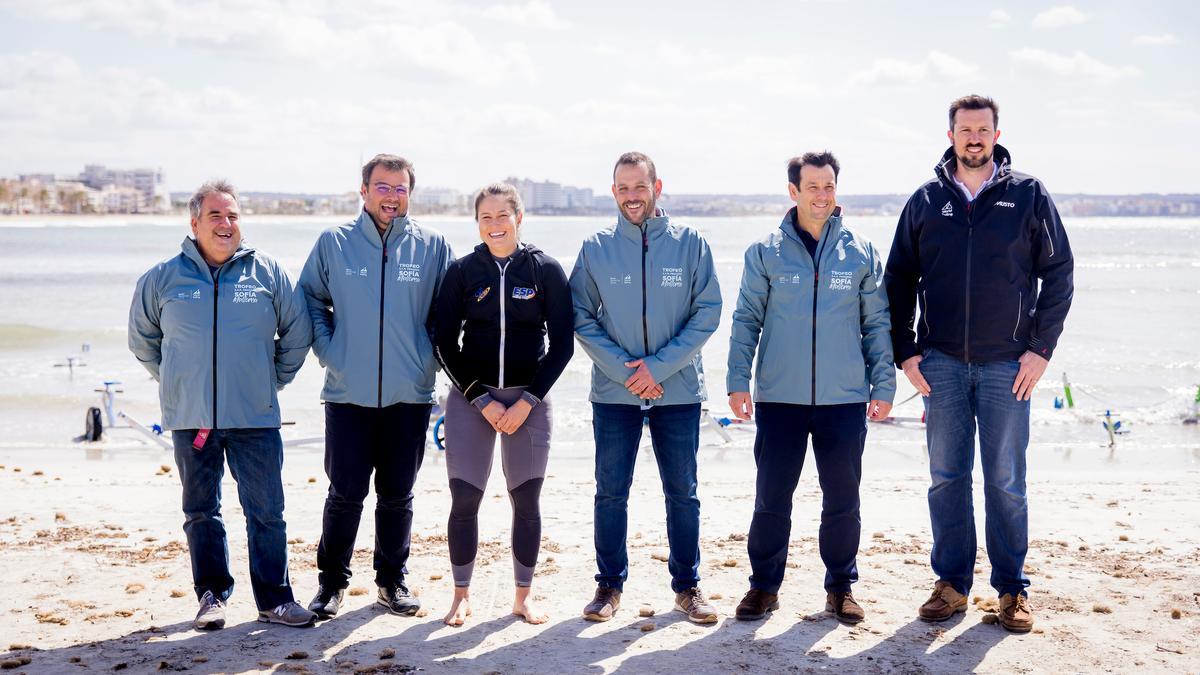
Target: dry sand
x,y
98,578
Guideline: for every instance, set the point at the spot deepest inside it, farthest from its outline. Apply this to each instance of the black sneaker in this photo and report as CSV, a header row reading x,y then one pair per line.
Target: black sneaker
x,y
326,603
398,600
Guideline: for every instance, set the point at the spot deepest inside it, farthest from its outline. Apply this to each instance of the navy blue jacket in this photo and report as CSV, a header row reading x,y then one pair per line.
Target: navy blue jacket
x,y
972,268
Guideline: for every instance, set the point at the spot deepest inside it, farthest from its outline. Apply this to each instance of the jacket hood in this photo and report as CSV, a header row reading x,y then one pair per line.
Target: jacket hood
x,y
192,252
366,224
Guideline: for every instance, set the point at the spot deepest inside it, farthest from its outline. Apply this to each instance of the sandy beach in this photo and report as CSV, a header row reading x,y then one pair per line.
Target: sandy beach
x,y
102,582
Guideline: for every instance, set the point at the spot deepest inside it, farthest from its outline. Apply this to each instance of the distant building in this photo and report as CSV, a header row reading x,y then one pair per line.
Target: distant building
x,y
117,182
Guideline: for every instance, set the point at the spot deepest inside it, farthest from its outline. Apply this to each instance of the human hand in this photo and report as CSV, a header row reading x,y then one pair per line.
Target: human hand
x,y
493,412
741,404
641,383
1032,369
912,371
878,411
514,417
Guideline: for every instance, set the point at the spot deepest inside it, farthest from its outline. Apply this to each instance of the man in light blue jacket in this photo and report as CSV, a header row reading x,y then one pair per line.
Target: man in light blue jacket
x,y
646,300
204,323
370,286
812,304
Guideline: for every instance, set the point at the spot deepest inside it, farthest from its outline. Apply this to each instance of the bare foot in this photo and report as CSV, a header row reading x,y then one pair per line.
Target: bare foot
x,y
460,608
526,608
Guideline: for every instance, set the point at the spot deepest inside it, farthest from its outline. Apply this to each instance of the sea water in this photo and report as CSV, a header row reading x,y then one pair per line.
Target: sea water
x,y
1131,344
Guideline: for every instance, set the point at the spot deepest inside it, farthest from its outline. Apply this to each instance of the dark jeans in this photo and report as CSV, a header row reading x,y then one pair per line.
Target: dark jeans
x,y
255,461
963,395
839,433
675,434
390,442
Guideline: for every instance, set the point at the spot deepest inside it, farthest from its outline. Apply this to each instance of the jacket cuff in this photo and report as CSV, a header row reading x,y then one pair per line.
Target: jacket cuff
x,y
904,352
885,394
482,401
1037,346
736,384
530,399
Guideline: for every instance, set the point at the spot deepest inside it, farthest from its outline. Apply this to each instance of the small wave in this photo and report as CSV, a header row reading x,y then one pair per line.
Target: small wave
x,y
24,336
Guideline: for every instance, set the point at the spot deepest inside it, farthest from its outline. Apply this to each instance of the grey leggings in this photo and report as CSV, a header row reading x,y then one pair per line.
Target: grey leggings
x,y
470,443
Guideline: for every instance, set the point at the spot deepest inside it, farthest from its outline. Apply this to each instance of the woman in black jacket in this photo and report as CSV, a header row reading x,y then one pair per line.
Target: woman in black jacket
x,y
503,300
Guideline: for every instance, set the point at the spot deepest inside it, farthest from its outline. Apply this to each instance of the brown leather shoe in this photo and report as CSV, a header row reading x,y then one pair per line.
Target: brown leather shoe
x,y
692,603
844,607
755,605
1015,614
602,607
943,604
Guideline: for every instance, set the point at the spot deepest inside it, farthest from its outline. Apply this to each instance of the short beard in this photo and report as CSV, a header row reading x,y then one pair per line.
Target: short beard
x,y
969,163
648,212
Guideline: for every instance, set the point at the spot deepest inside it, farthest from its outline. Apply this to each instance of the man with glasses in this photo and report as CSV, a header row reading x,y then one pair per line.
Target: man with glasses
x,y
370,286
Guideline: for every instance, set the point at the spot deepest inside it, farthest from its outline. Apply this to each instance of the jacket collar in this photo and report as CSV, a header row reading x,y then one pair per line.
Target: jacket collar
x,y
949,162
366,225
655,225
192,252
831,230
523,249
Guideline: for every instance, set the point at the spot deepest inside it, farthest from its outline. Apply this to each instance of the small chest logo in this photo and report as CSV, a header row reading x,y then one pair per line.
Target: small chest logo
x,y
841,281
1008,204
522,293
185,295
362,272
948,210
482,293
672,277
408,273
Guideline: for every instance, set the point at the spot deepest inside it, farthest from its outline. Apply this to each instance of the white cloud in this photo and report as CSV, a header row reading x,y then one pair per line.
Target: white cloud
x,y
532,14
428,38
1057,17
1172,111
936,65
1074,65
1156,40
999,17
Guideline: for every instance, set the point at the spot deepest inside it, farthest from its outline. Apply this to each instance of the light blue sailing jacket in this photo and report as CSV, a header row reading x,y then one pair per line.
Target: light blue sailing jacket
x,y
370,307
209,338
646,292
822,338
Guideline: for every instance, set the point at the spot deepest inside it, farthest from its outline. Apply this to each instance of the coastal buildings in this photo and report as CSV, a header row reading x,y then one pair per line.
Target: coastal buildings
x,y
97,189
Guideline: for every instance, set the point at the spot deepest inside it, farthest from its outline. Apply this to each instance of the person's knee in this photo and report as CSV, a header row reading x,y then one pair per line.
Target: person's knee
x,y
525,500
464,499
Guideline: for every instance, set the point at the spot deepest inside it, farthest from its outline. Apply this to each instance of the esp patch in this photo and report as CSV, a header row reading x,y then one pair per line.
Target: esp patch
x,y
522,293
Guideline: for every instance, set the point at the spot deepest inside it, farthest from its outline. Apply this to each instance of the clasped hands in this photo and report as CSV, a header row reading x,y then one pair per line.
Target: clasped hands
x,y
507,420
641,384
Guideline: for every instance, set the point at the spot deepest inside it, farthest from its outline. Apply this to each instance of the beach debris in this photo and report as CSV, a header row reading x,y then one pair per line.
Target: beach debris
x,y
659,556
311,479
1083,547
737,536
387,653
435,577
10,664
1169,650
16,469
1176,613
877,535
199,658
715,596
120,666
266,663
177,593
165,665
646,612
423,612
298,655
989,619
59,516
730,562
1039,630
647,627
163,470
134,588
124,613
38,472
75,659
295,540
149,539
987,604
1101,608
50,617
17,646
358,590
1123,537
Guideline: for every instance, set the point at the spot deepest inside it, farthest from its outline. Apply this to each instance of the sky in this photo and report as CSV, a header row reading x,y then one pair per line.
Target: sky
x,y
294,95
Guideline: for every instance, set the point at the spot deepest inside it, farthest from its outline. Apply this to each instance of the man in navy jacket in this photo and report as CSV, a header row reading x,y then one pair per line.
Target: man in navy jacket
x,y
970,249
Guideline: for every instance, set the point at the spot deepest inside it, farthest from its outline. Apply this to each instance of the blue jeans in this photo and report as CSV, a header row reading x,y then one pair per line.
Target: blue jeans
x,y
675,434
839,434
963,396
255,461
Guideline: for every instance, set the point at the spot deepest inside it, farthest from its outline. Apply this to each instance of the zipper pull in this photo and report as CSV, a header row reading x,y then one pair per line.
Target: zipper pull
x,y
645,241
385,254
